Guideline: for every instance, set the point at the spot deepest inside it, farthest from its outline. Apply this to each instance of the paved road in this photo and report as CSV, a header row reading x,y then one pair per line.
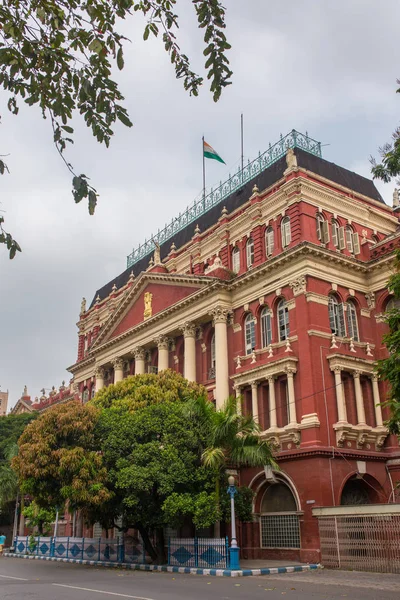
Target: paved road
x,y
40,580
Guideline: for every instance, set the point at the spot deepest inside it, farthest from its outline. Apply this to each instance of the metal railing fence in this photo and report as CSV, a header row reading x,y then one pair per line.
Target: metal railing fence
x,y
294,139
199,552
96,549
361,542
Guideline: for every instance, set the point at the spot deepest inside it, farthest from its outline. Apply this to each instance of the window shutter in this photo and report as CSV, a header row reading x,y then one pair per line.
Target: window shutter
x,y
335,238
342,324
342,241
332,320
325,232
356,243
288,233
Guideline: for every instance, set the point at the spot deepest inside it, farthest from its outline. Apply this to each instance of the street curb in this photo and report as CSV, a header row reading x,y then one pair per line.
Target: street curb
x,y
165,569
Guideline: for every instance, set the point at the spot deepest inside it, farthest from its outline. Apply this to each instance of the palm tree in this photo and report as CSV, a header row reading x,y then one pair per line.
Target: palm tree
x,y
233,440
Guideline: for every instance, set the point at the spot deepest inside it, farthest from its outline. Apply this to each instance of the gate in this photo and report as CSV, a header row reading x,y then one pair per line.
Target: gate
x,y
363,538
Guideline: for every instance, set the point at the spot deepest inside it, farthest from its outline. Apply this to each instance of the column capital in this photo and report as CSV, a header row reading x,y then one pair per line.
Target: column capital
x,y
374,377
188,329
139,353
271,379
99,372
162,342
219,314
254,384
290,371
337,369
356,374
118,362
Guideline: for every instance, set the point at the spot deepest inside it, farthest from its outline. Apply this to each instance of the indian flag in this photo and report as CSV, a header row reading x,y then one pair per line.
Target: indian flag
x,y
209,152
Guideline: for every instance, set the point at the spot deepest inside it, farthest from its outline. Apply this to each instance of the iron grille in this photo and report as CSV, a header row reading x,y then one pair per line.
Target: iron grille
x,y
211,373
362,543
280,531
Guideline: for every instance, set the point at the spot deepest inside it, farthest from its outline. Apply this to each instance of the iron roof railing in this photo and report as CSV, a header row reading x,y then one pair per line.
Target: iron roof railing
x,y
294,139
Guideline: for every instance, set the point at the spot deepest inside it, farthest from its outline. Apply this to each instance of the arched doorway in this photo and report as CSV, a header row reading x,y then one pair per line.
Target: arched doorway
x,y
279,517
359,490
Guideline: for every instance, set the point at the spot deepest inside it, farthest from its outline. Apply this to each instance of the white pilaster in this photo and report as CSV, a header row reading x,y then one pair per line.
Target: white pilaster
x,y
341,407
118,365
254,400
377,400
189,335
291,398
163,353
359,398
139,355
220,315
272,401
99,374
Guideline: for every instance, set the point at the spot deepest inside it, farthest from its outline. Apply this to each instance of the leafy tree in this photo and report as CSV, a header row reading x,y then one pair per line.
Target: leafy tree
x,y
11,427
233,440
389,368
42,518
389,166
59,54
59,460
152,450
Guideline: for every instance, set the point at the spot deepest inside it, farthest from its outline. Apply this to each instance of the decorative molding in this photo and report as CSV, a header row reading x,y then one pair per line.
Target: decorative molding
x,y
318,298
188,329
118,363
162,342
219,314
362,435
365,312
139,353
370,297
299,285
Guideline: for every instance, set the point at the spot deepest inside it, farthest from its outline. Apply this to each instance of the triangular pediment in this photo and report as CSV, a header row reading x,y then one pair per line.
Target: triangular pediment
x,y
150,295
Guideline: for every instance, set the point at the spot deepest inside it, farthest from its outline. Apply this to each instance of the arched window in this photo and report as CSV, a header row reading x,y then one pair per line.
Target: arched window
x,y
85,396
335,233
375,239
285,230
250,333
236,260
394,303
250,252
283,320
266,327
93,392
352,325
279,518
320,224
269,241
336,317
349,239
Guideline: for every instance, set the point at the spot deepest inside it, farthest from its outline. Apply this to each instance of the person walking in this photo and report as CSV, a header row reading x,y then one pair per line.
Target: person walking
x,y
2,542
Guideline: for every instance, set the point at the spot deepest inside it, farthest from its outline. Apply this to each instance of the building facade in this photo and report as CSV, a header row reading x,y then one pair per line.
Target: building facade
x,y
273,288
3,403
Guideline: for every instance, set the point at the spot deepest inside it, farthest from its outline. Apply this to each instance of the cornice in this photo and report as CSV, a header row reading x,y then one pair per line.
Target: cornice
x,y
332,452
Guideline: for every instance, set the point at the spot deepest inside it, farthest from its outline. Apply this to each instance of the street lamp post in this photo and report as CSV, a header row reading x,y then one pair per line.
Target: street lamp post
x,y
233,550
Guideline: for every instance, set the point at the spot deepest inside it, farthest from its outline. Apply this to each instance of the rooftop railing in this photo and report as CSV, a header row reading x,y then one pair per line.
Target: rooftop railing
x,y
294,139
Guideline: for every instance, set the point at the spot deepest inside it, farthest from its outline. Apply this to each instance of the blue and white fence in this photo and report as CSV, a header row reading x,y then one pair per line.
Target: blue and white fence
x,y
99,549
199,552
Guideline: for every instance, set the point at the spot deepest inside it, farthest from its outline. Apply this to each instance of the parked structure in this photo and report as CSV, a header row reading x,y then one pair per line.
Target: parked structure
x,y
272,288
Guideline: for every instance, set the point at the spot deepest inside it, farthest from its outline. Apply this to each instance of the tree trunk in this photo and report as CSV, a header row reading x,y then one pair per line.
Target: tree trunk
x,y
79,525
21,530
147,542
217,524
160,544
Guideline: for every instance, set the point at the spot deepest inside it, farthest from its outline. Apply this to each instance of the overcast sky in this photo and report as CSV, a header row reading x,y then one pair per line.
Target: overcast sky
x,y
328,68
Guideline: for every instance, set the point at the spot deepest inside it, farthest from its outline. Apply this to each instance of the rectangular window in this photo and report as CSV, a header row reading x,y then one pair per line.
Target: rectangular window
x,y
280,531
342,241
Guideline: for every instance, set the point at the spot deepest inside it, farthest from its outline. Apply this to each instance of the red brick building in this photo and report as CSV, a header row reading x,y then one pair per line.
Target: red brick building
x,y
273,288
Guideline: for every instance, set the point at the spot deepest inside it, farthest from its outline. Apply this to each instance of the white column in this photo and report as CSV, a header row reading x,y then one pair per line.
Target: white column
x,y
139,355
254,400
238,392
99,374
118,365
341,407
163,353
291,398
272,402
359,398
377,400
221,355
189,335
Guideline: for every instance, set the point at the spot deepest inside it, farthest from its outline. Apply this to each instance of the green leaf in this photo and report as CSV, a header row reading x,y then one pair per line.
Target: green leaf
x,y
124,119
120,59
92,202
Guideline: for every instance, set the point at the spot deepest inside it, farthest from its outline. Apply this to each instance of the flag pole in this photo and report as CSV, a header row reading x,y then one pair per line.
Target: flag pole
x,y
204,173
241,142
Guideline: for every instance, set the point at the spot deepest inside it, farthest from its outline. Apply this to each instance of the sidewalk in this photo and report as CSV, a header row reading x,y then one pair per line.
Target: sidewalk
x,y
249,568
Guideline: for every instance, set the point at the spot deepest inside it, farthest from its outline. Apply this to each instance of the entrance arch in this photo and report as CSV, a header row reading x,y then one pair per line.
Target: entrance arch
x,y
361,490
279,516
